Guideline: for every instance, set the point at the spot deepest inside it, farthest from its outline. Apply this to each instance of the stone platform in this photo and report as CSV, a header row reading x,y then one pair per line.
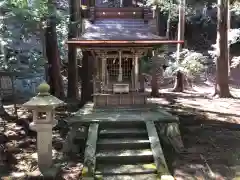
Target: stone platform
x,y
110,99
147,112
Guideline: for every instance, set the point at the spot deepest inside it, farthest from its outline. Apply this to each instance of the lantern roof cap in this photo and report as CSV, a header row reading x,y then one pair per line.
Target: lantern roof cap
x,y
43,99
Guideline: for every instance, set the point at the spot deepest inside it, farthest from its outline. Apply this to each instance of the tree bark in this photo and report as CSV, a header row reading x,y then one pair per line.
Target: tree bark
x,y
179,82
52,53
72,55
222,63
181,27
169,20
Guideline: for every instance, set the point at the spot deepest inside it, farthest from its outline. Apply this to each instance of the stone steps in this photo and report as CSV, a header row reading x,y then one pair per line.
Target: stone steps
x,y
126,143
124,152
123,124
121,133
125,156
127,169
129,177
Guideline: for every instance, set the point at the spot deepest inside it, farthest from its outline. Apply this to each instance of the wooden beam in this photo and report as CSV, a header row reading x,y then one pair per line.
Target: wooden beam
x,y
118,42
112,48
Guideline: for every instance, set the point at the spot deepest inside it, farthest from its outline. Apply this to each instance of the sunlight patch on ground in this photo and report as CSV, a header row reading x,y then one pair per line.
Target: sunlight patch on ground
x,y
199,99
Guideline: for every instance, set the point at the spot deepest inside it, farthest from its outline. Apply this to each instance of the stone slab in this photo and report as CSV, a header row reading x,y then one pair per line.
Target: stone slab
x,y
121,153
156,147
90,151
126,143
125,169
170,133
129,177
149,112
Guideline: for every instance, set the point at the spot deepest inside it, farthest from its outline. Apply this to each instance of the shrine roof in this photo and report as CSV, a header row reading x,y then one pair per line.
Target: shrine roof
x,y
118,31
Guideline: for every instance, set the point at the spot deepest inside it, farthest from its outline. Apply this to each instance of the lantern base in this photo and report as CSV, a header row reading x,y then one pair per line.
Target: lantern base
x,y
50,173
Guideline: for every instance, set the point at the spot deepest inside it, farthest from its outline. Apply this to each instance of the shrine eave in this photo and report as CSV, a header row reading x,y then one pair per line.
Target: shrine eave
x,y
120,43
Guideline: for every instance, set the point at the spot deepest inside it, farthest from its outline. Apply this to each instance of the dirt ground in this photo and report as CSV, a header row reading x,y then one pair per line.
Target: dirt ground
x,y
18,161
210,129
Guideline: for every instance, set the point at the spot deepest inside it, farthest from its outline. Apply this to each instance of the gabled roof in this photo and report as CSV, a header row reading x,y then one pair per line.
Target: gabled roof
x,y
118,32
118,29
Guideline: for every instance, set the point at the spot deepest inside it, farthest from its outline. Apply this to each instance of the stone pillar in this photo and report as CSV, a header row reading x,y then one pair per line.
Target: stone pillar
x,y
44,145
136,72
43,103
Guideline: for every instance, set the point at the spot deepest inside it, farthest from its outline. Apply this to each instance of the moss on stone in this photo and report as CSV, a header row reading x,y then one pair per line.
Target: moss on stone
x,y
85,171
99,177
43,88
163,170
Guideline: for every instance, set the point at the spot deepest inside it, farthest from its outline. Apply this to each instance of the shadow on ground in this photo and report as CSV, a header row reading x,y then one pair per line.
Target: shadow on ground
x,y
212,148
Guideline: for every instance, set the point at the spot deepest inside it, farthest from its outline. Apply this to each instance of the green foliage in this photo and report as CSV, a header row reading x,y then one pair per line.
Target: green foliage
x,y
233,36
235,8
191,63
23,23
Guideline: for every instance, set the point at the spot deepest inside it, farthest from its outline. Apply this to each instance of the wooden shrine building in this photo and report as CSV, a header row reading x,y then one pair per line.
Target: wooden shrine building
x,y
122,131
117,34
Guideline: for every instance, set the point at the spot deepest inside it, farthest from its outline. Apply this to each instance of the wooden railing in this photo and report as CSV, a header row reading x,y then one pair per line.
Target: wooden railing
x,y
93,13
120,13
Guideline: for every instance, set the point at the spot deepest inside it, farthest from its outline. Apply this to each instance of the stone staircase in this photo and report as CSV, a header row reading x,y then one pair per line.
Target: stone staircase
x,y
123,143
123,152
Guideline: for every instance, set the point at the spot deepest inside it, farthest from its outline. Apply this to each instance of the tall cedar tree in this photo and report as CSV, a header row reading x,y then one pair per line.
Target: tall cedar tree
x,y
222,79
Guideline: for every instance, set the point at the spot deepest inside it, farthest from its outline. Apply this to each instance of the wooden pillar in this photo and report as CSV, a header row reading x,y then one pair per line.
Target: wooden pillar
x,y
136,71
133,75
72,60
95,75
107,76
120,75
87,75
104,60
141,79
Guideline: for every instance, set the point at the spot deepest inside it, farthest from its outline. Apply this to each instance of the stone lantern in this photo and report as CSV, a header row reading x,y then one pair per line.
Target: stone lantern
x,y
43,106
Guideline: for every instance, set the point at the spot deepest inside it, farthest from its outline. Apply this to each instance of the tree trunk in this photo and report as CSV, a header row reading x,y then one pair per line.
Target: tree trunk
x,y
169,21
52,53
179,82
72,54
222,79
181,27
228,49
3,113
87,76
